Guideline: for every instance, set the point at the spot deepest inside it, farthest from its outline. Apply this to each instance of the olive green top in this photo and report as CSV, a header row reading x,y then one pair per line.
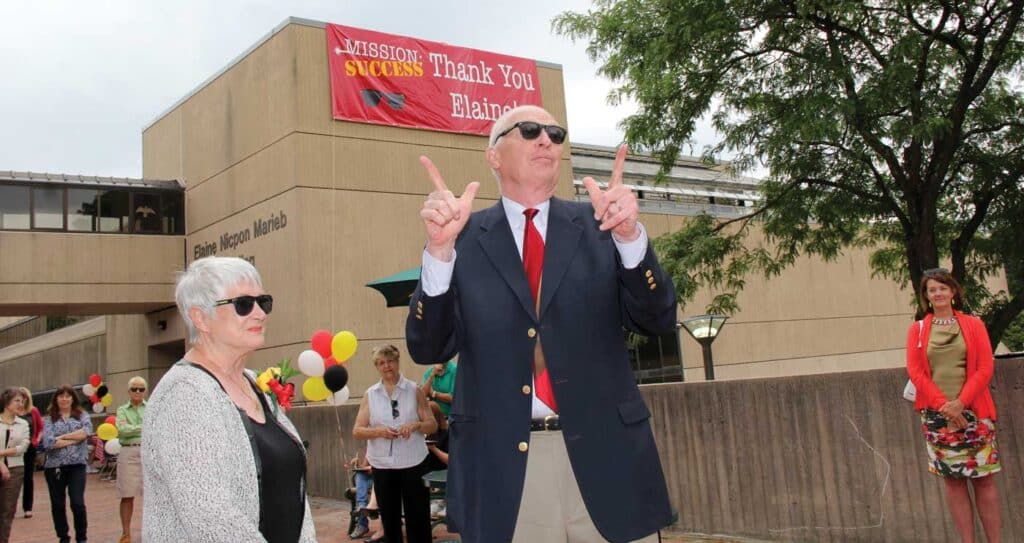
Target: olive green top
x,y
947,354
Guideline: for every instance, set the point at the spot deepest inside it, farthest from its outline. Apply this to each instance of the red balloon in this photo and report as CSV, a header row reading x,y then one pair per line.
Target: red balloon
x,y
111,420
321,342
94,398
329,361
95,380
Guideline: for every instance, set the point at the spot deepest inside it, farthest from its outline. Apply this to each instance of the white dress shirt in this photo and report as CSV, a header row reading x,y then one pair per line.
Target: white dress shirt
x,y
395,453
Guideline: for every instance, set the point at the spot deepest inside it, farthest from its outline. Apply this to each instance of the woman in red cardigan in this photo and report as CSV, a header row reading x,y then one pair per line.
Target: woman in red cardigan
x,y
949,359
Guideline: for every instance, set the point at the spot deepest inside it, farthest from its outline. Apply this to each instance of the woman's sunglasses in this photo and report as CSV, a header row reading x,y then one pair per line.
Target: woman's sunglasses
x,y
244,304
530,130
137,389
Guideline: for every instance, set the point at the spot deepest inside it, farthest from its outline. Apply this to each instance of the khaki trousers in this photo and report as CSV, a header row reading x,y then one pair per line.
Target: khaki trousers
x,y
552,509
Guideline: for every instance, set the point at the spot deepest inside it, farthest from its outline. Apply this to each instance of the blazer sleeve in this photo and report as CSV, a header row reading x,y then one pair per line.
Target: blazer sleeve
x,y
431,329
982,347
20,438
918,370
648,297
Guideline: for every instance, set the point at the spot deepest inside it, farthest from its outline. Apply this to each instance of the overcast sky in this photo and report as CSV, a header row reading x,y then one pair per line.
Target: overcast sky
x,y
81,79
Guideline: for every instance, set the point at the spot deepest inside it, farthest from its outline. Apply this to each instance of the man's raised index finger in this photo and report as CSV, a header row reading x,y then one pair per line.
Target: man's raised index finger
x,y
435,176
620,162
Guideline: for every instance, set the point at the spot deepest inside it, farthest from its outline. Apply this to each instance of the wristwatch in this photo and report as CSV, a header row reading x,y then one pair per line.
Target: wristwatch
x,y
433,394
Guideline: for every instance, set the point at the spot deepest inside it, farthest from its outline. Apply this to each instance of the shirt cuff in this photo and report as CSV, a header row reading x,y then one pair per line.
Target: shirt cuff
x,y
436,276
631,252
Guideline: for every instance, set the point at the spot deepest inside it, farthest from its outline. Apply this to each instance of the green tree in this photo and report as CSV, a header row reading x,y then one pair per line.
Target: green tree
x,y
892,124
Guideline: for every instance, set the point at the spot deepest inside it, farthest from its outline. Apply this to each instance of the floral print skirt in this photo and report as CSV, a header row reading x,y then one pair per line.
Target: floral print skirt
x,y
967,453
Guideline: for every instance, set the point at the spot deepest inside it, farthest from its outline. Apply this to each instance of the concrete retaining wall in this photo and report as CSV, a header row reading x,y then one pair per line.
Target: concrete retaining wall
x,y
830,458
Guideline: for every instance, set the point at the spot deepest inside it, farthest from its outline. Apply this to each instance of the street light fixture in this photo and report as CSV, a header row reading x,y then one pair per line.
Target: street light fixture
x,y
704,329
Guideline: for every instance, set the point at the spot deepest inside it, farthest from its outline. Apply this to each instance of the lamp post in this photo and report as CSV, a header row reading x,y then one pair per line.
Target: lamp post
x,y
704,329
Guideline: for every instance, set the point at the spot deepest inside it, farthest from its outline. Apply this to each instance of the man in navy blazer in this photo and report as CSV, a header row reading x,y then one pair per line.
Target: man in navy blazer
x,y
582,466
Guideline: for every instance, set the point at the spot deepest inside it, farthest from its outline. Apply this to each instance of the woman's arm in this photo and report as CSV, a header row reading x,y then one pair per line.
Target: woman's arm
x,y
19,441
48,439
979,380
361,429
427,423
441,455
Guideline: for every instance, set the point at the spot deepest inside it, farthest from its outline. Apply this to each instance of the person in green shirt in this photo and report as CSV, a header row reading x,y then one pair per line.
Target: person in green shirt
x,y
438,384
129,461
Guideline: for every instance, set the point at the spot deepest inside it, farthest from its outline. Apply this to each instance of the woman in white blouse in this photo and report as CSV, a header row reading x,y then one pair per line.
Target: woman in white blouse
x,y
14,440
394,418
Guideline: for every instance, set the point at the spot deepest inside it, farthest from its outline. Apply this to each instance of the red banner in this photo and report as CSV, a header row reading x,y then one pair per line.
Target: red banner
x,y
400,81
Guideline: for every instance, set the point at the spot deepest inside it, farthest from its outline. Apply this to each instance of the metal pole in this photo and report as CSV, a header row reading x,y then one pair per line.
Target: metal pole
x,y
679,350
709,365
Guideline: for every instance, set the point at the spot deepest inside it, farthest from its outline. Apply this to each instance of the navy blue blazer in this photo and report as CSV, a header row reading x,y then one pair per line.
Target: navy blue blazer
x,y
487,317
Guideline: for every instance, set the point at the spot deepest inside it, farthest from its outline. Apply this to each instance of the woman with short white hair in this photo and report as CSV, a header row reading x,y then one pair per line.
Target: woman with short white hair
x,y
221,462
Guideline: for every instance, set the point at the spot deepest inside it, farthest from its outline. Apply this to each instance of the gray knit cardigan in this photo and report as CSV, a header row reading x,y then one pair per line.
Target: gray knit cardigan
x,y
198,467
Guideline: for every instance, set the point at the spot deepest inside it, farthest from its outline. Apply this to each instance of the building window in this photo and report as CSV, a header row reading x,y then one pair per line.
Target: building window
x,y
173,213
146,213
114,210
48,208
82,210
655,359
14,208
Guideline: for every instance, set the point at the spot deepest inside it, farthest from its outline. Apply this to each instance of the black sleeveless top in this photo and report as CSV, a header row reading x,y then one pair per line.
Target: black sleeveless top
x,y
283,469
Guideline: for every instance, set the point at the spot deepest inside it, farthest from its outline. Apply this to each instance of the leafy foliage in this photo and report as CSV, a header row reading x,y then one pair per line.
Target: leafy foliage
x,y
891,124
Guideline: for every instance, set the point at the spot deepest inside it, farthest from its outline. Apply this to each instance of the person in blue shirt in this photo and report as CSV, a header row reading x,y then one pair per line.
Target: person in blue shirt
x,y
65,431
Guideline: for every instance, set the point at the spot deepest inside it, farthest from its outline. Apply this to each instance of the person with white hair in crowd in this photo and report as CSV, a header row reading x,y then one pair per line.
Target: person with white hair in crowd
x,y
129,460
222,462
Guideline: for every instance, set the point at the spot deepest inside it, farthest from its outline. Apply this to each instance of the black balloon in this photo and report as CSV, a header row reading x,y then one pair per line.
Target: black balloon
x,y
102,391
336,377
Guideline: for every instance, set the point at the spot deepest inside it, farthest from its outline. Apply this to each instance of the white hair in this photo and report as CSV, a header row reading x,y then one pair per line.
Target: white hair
x,y
137,381
207,280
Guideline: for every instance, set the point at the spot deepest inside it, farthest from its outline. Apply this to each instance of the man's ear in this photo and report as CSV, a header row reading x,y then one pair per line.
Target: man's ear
x,y
492,158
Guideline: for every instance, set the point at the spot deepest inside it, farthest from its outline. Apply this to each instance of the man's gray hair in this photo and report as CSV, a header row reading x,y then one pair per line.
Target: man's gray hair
x,y
207,280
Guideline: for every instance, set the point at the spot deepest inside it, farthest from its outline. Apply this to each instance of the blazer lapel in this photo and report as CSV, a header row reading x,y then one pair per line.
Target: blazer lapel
x,y
563,236
500,247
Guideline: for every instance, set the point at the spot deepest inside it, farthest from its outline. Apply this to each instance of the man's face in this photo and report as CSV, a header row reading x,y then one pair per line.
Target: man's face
x,y
529,165
136,392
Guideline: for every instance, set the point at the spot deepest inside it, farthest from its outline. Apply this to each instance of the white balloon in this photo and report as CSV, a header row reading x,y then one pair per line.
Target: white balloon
x,y
88,389
113,446
97,407
339,397
311,364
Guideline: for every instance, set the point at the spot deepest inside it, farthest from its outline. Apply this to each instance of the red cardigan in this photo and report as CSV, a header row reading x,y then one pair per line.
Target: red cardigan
x,y
980,365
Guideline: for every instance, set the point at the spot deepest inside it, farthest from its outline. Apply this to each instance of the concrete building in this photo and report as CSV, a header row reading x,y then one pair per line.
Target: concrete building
x,y
254,165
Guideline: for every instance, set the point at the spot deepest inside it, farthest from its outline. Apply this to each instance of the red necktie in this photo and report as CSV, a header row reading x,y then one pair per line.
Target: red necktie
x,y
533,262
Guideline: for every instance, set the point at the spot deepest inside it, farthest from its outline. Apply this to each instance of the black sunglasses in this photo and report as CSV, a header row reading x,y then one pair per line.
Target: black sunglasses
x,y
244,304
394,409
530,130
137,389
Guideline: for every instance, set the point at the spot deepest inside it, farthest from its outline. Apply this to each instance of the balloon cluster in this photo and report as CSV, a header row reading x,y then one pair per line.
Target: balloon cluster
x,y
98,393
326,376
108,433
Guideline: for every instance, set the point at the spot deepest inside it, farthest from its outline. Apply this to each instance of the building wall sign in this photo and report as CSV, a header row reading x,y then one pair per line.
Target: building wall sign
x,y
231,242
400,81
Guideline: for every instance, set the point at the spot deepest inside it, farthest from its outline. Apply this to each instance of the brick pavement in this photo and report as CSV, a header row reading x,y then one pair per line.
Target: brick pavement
x,y
330,517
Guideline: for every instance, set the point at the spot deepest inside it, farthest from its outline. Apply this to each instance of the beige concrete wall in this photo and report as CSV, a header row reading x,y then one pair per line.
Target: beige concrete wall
x,y
825,458
67,355
259,142
837,458
78,274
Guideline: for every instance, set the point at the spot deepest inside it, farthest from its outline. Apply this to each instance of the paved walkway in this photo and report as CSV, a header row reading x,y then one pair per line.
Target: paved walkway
x,y
330,517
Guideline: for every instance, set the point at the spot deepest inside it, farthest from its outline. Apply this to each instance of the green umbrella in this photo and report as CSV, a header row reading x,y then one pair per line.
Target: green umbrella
x,y
397,288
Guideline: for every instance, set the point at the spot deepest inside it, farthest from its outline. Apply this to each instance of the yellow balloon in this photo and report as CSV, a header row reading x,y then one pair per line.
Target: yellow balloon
x,y
107,400
343,346
315,390
106,431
